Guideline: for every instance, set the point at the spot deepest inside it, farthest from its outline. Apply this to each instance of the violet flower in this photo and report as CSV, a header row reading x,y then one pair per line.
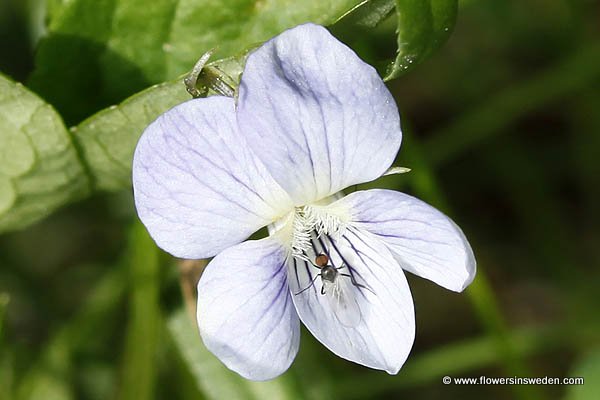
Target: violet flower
x,y
311,119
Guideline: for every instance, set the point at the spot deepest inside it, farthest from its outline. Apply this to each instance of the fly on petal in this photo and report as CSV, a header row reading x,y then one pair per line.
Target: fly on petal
x,y
365,313
335,284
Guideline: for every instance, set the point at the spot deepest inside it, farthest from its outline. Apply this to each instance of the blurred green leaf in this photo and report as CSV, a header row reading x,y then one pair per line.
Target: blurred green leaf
x,y
39,165
139,360
51,376
213,378
6,375
6,364
423,26
584,150
99,52
574,71
4,300
456,360
49,380
588,368
480,292
543,223
108,138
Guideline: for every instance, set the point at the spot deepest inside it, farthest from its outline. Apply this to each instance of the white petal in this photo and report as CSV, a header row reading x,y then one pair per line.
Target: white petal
x,y
318,117
425,241
382,335
245,314
198,188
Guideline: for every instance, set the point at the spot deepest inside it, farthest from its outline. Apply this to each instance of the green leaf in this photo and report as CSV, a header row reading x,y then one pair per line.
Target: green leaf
x,y
93,37
232,26
99,52
108,138
212,377
39,166
369,14
369,29
588,368
423,26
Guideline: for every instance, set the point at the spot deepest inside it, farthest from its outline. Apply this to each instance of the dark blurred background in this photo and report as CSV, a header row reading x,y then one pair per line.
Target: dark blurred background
x,y
502,130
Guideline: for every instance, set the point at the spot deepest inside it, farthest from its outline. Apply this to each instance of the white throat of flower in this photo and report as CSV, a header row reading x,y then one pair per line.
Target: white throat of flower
x,y
301,225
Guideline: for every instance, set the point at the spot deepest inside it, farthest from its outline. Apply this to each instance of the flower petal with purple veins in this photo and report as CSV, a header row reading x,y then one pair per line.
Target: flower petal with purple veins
x,y
311,120
424,241
245,312
198,188
317,116
382,335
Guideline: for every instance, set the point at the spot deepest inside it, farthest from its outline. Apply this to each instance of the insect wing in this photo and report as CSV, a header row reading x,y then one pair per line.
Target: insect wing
x,y
341,296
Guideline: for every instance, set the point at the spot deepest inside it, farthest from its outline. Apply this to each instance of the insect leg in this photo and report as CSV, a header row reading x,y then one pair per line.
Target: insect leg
x,y
309,286
353,280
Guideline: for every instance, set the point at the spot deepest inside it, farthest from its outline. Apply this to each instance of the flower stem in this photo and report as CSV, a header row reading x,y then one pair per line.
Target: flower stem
x,y
189,275
142,337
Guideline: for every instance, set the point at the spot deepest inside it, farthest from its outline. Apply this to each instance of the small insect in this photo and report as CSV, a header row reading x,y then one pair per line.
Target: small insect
x,y
340,295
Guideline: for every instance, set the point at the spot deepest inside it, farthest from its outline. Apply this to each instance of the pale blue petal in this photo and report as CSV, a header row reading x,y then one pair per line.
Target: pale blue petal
x,y
246,316
198,188
382,333
424,241
317,116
